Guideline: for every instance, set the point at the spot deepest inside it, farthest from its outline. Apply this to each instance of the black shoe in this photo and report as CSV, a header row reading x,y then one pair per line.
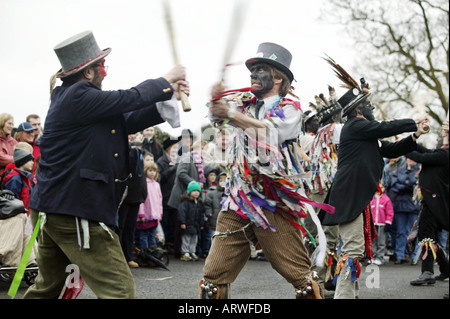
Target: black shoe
x,y
441,277
398,262
426,278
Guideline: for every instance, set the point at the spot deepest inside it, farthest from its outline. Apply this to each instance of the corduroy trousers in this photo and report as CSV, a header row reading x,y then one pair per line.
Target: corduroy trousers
x,y
283,248
102,266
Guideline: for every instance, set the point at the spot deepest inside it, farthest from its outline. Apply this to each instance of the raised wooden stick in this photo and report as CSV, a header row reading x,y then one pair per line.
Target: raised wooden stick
x,y
168,17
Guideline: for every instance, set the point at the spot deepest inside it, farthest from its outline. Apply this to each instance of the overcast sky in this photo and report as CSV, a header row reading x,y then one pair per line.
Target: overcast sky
x,y
136,32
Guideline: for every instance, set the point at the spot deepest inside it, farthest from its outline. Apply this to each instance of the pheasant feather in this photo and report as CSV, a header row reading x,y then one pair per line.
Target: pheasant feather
x,y
348,81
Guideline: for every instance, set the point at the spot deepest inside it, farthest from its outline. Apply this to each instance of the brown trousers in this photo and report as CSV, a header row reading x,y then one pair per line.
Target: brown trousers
x,y
283,248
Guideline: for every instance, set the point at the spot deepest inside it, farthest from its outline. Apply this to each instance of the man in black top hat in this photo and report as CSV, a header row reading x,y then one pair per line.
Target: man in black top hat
x,y
252,214
360,168
84,168
167,166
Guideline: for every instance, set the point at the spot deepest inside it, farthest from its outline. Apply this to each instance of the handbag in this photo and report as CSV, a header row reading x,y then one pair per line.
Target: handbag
x,y
10,206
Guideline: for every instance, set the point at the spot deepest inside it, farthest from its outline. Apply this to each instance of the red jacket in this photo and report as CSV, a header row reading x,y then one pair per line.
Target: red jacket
x,y
19,183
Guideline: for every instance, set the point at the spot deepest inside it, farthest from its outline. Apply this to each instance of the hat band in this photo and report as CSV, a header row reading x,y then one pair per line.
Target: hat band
x,y
81,65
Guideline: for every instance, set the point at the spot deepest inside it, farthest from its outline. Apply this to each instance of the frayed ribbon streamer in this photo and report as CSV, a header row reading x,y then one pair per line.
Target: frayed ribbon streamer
x,y
353,267
322,238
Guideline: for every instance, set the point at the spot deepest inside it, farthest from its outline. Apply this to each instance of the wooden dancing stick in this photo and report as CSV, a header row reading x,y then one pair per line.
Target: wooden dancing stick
x,y
445,142
237,21
168,17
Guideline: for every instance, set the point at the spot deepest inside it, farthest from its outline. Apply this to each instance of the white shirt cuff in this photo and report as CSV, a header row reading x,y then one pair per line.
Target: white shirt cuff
x,y
169,111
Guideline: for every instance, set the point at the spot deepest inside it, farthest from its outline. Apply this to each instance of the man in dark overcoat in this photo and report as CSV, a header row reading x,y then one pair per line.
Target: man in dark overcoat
x,y
84,167
360,168
433,218
167,166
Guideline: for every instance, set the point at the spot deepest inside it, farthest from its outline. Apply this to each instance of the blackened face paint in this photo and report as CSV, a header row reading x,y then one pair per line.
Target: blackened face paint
x,y
367,112
261,79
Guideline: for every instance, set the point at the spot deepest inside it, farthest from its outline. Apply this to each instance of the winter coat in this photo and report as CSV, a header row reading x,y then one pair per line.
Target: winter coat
x,y
214,155
382,210
192,214
6,151
84,149
360,165
19,182
186,173
152,146
213,206
151,209
403,182
433,181
213,203
167,174
137,187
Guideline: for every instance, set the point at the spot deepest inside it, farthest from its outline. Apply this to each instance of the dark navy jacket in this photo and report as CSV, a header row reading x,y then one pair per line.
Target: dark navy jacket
x,y
84,148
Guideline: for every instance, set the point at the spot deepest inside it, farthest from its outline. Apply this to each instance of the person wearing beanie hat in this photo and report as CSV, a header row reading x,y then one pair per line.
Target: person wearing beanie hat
x,y
193,186
22,157
18,179
191,214
14,236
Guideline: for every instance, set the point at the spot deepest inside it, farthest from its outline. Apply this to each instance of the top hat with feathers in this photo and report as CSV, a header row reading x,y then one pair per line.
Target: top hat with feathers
x,y
356,95
324,107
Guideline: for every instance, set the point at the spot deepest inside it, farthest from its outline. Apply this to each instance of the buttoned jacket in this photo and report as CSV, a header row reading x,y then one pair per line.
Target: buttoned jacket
x,y
84,162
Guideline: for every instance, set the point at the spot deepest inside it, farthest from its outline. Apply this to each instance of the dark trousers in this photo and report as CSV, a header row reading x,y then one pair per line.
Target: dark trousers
x,y
168,223
429,228
128,213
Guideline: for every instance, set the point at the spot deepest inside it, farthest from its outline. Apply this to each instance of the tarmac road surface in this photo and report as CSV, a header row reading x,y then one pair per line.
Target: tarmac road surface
x,y
259,281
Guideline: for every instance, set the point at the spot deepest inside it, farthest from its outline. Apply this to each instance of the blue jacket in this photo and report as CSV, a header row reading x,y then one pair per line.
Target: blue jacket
x,y
84,149
402,185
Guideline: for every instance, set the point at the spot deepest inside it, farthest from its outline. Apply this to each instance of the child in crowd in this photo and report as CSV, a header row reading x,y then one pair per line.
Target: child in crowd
x,y
148,158
210,185
150,211
211,177
15,232
383,214
213,206
18,177
191,214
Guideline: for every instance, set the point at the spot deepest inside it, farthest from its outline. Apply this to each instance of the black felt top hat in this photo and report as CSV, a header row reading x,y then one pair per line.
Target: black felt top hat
x,y
170,141
275,55
352,99
356,95
78,52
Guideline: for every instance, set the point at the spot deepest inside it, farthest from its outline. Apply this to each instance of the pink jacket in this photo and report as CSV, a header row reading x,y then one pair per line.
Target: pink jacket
x,y
6,151
382,210
152,209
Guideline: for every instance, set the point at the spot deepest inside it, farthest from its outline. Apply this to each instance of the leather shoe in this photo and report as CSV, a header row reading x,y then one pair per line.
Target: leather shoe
x,y
133,264
426,278
441,277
